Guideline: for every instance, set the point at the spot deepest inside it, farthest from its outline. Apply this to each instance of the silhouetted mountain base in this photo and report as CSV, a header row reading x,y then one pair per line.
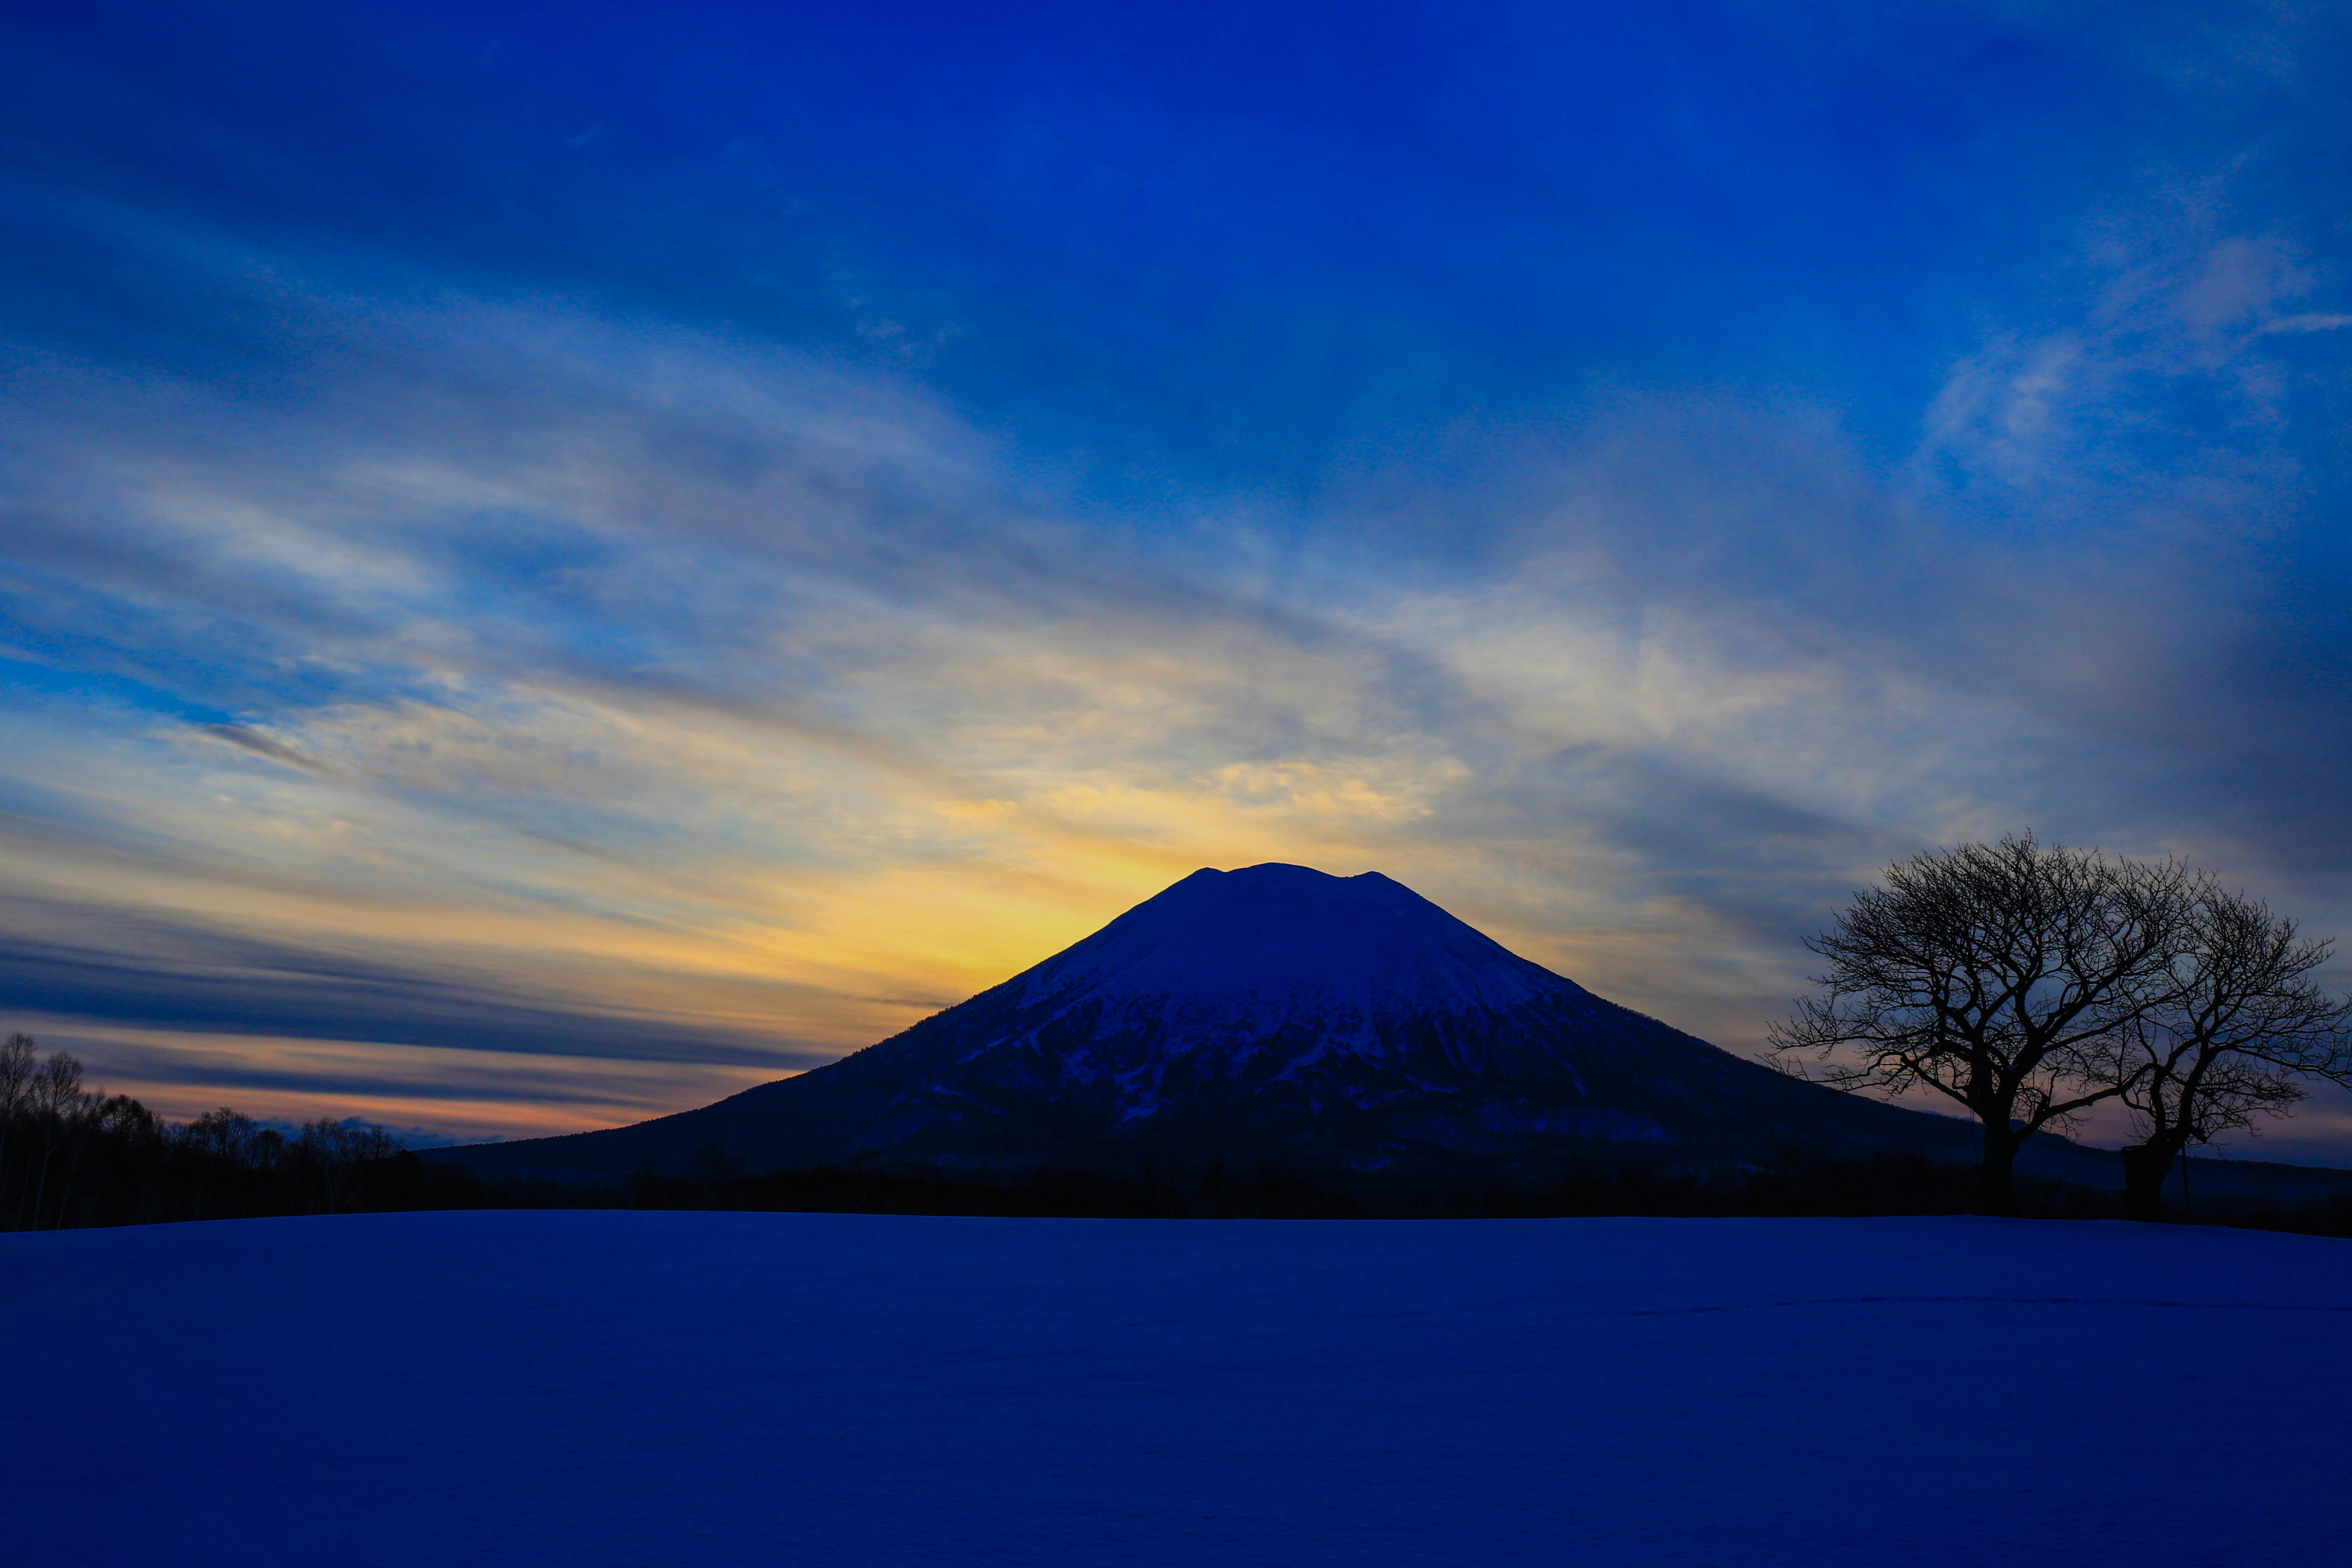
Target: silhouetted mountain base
x,y
119,1179
1884,1184
1278,1016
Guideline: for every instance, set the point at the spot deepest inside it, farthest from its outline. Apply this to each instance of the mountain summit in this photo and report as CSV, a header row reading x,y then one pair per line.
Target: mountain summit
x,y
1274,1013
1293,940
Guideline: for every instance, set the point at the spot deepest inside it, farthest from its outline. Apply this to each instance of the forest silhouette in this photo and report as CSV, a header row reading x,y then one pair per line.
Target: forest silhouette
x,y
72,1156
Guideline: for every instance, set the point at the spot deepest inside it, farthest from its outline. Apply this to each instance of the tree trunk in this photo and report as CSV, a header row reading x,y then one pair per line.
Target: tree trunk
x,y
41,1189
1997,1173
73,1173
2144,1167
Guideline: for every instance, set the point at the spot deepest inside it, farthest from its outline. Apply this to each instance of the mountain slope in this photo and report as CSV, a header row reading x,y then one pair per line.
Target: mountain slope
x,y
1272,1013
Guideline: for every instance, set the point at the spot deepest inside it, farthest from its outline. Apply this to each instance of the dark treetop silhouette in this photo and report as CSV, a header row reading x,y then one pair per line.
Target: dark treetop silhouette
x,y
2028,982
2240,1033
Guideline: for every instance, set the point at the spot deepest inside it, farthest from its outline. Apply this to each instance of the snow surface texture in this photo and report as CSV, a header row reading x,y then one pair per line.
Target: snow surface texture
x,y
651,1388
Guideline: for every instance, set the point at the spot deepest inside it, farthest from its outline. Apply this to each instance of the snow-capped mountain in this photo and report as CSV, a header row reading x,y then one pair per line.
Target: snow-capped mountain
x,y
1275,1013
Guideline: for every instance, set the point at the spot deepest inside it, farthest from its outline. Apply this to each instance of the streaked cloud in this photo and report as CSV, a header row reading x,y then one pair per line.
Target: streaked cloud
x,y
489,702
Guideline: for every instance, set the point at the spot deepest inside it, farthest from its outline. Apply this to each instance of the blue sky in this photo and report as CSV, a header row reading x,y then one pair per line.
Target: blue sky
x,y
564,561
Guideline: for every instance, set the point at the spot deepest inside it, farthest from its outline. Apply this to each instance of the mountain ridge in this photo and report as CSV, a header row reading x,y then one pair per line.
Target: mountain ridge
x,y
1272,1013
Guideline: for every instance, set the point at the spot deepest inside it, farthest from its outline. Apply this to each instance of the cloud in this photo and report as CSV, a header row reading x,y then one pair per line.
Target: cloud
x,y
433,1094
260,745
637,708
2309,321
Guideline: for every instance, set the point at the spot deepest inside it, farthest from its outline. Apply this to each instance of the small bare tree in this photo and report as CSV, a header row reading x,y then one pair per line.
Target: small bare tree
x,y
19,1065
1992,975
331,1156
2243,1030
56,1094
225,1135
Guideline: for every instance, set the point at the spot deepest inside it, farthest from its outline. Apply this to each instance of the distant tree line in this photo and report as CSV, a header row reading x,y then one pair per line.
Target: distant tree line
x,y
71,1155
1797,1184
2028,983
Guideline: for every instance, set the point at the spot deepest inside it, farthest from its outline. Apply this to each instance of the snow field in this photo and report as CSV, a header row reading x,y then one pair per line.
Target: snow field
x,y
649,1389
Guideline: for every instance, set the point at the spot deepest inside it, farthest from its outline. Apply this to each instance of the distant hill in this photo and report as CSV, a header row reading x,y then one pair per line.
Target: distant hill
x,y
1282,1015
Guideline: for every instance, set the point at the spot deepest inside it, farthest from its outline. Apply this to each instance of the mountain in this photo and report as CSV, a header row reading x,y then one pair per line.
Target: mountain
x,y
1277,1014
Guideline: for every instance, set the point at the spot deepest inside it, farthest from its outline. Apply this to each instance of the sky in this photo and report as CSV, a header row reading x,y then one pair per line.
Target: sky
x,y
564,561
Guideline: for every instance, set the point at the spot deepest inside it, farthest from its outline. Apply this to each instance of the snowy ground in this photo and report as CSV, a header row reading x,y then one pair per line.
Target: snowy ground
x,y
626,1388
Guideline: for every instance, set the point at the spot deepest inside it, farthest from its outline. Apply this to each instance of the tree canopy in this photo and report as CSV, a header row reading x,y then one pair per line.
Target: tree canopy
x,y
2028,982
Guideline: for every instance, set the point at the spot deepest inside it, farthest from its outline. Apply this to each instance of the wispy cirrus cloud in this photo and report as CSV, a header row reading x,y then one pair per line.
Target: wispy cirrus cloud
x,y
641,690
498,696
2309,321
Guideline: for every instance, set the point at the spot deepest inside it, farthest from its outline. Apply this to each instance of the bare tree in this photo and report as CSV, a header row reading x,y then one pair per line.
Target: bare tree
x,y
224,1134
217,1137
56,1095
18,1065
333,1153
1992,975
2243,1032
